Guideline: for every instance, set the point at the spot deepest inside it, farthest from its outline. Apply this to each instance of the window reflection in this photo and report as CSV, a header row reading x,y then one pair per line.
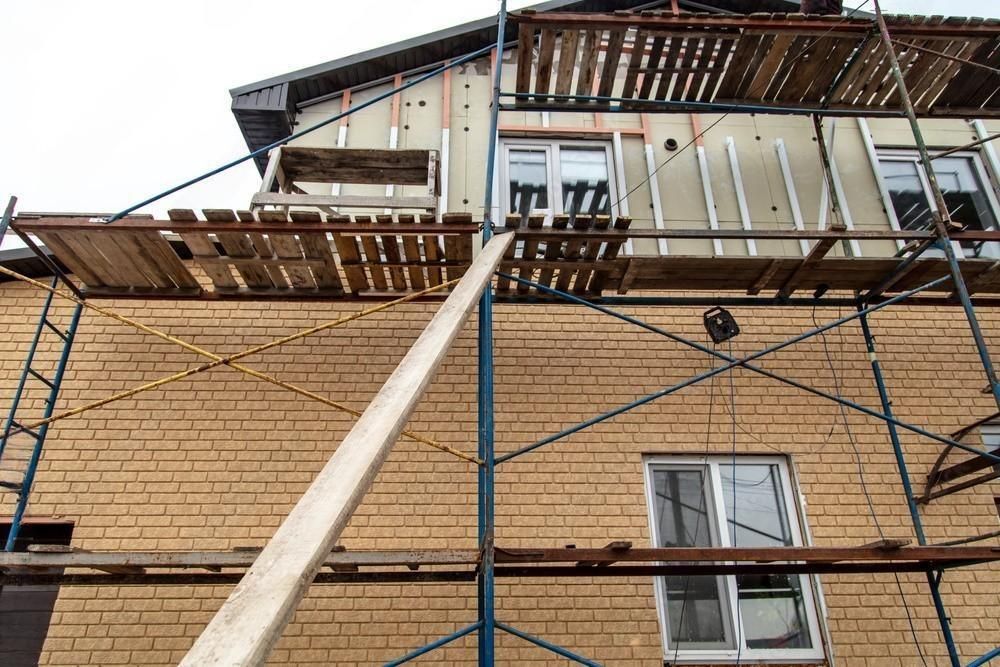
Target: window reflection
x,y
528,173
584,176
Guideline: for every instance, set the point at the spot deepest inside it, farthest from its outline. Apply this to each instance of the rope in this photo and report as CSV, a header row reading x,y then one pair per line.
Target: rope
x,y
229,360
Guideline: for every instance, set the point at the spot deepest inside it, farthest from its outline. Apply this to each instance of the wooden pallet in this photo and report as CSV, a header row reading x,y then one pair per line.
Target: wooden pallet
x,y
777,60
267,254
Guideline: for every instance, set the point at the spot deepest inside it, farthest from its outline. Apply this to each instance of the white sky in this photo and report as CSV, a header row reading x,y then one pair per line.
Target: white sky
x,y
107,102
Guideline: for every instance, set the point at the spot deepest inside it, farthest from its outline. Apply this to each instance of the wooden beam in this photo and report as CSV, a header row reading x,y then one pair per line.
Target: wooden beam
x,y
350,201
344,226
815,255
250,622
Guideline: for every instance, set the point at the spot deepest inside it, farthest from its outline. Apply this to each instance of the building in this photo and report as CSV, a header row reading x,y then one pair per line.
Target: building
x,y
656,215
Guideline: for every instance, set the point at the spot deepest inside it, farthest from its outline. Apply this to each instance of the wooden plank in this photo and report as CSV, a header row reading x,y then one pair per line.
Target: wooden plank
x,y
390,246
571,252
553,249
546,52
588,65
655,53
635,62
703,66
821,81
262,246
343,201
525,55
567,61
201,246
286,246
511,223
669,65
529,251
250,622
165,258
317,247
746,44
771,67
815,255
611,250
719,65
141,256
347,249
591,253
684,72
852,79
765,277
65,254
237,244
94,260
411,250
373,255
457,247
432,249
609,72
398,166
756,58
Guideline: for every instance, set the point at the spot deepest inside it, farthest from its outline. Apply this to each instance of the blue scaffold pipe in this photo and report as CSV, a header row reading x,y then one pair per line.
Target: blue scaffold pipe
x,y
985,658
889,418
281,142
438,643
549,646
8,214
743,362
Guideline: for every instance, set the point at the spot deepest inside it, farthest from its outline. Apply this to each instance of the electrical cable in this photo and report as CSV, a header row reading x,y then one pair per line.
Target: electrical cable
x,y
864,486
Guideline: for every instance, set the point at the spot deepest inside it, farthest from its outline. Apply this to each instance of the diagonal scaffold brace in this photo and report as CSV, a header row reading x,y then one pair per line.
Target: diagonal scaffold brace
x,y
248,625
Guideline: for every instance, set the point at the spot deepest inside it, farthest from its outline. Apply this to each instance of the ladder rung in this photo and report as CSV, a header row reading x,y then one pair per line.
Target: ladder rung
x,y
23,429
59,332
41,378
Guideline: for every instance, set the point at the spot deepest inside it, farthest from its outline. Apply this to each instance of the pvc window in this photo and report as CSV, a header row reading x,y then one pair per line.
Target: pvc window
x,y
711,501
964,183
551,178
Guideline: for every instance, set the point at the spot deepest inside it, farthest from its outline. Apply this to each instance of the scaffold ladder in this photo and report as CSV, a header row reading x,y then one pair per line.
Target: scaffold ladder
x,y
21,446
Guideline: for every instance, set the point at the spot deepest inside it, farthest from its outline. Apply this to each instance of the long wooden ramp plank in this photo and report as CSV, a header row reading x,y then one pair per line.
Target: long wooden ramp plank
x,y
249,623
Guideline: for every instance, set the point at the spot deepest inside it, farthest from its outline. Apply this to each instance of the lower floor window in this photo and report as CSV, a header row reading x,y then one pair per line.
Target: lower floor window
x,y
730,502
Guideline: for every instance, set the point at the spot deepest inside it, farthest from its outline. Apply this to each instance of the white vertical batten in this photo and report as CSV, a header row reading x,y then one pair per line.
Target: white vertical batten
x,y
988,150
445,152
883,189
741,197
618,157
654,194
845,210
793,196
706,185
250,622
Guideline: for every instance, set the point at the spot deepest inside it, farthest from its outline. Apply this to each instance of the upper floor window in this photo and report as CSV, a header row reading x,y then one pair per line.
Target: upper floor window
x,y
550,178
710,502
966,187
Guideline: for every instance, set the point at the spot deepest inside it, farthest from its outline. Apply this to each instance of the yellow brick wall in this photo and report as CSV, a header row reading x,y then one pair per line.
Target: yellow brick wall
x,y
215,462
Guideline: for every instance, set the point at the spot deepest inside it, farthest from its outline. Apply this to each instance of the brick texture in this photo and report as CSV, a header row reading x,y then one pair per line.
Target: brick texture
x,y
216,461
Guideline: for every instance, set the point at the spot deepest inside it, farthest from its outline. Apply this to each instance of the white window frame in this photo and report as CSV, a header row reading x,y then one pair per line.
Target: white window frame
x,y
912,156
793,508
552,147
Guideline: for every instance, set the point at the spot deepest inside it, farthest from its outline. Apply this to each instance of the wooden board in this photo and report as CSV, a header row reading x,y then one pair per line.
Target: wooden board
x,y
785,60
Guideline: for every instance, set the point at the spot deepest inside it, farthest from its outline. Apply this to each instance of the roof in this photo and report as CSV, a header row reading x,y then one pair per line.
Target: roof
x,y
265,109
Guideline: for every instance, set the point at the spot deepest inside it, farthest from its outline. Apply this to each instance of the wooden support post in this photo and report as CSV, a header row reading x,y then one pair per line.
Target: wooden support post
x,y
249,624
815,255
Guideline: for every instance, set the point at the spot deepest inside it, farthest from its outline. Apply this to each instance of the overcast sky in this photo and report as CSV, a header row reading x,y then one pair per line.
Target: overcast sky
x,y
107,102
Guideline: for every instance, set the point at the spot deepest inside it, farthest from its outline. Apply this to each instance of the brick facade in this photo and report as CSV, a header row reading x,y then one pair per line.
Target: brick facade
x,y
217,461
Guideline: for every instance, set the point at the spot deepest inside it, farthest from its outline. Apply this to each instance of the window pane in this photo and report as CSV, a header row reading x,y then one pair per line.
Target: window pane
x,y
909,200
772,606
584,176
965,196
697,612
528,181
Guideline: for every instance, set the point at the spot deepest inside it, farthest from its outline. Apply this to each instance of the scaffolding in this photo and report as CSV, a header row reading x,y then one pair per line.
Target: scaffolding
x,y
748,64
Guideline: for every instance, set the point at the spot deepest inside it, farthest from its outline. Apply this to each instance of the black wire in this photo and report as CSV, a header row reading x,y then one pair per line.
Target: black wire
x,y
864,486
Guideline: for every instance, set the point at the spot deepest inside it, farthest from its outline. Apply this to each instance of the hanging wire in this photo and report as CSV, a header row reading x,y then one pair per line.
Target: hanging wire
x,y
864,486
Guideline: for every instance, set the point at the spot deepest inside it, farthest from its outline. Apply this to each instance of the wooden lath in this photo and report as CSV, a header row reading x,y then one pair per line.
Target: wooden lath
x,y
766,60
263,254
